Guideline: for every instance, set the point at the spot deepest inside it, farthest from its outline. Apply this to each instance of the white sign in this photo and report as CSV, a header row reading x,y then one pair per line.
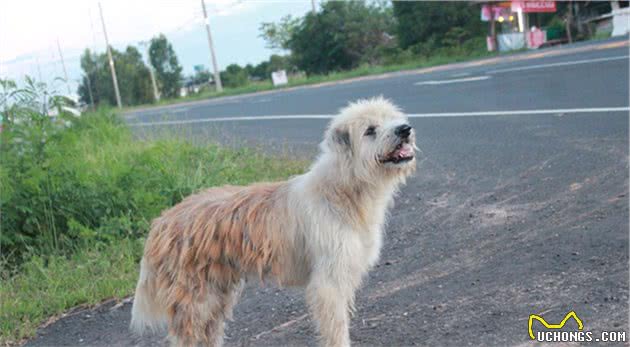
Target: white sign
x,y
279,78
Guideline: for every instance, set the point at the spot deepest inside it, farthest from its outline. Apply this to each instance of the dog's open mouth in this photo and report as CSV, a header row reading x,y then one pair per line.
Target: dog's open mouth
x,y
402,153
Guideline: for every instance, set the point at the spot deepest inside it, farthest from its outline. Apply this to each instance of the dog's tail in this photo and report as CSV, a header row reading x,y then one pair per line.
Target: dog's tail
x,y
147,313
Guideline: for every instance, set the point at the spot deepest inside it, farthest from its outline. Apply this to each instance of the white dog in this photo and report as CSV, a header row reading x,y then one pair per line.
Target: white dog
x,y
322,230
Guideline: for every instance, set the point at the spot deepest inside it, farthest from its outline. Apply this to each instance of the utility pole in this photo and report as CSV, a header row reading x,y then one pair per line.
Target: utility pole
x,y
493,29
112,68
63,66
569,20
314,6
156,94
217,76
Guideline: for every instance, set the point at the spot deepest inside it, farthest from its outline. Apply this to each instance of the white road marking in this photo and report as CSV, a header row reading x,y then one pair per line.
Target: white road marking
x,y
543,66
180,110
257,101
461,74
410,115
520,112
456,80
234,119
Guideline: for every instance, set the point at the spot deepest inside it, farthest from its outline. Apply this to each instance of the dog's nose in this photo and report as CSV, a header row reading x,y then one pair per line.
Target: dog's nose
x,y
403,130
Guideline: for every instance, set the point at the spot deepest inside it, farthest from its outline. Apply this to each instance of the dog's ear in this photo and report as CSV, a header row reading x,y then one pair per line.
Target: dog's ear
x,y
338,140
341,137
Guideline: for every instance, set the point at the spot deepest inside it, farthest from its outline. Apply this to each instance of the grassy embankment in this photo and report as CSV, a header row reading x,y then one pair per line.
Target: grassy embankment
x,y
77,200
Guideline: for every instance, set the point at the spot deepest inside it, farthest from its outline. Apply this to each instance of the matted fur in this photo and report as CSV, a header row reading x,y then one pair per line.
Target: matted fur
x,y
322,230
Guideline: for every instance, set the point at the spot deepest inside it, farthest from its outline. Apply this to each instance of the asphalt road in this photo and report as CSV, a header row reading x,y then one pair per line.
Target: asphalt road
x,y
523,211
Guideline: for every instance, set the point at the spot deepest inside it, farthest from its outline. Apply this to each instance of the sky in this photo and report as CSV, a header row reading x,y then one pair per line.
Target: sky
x,y
30,31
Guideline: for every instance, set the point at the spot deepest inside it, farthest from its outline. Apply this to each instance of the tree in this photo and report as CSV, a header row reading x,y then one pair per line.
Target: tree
x,y
135,81
234,76
201,76
425,25
278,35
260,71
133,78
249,68
341,36
167,68
90,77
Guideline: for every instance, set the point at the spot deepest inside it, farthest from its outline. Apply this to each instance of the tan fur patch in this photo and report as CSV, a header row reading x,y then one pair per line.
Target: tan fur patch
x,y
209,241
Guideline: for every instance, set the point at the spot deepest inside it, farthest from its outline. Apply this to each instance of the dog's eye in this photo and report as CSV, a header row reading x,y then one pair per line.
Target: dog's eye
x,y
370,131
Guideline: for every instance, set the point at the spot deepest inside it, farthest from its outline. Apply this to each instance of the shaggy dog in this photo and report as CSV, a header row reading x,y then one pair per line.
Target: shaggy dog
x,y
322,230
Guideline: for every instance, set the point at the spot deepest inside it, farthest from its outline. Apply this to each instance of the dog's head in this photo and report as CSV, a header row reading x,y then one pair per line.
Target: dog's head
x,y
373,138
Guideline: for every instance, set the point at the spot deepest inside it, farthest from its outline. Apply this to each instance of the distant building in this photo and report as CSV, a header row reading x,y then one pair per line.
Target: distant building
x,y
516,24
616,22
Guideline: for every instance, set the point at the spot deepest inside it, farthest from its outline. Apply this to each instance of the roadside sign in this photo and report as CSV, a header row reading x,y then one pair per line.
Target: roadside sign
x,y
534,6
279,78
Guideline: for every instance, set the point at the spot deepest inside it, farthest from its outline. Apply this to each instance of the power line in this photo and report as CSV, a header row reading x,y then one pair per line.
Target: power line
x,y
192,19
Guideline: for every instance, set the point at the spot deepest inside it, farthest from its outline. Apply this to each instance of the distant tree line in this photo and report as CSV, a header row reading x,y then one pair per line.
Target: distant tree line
x,y
344,35
341,35
134,80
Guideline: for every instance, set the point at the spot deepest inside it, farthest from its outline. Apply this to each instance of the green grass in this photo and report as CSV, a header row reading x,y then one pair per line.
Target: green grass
x,y
46,286
93,180
363,70
77,200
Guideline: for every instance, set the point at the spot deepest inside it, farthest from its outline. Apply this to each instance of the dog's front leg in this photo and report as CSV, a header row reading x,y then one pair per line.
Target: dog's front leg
x,y
329,300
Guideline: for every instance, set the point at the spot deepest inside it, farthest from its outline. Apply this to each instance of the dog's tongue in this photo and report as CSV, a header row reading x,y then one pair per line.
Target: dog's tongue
x,y
405,151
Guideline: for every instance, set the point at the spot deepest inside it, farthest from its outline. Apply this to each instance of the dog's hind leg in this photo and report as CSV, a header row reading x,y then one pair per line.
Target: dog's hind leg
x,y
202,321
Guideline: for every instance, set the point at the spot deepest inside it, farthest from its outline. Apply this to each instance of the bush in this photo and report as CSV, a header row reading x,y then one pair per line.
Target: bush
x,y
234,76
556,29
429,24
341,36
395,55
93,181
77,195
71,179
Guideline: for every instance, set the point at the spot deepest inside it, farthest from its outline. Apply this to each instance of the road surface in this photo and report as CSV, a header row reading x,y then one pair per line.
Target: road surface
x,y
519,206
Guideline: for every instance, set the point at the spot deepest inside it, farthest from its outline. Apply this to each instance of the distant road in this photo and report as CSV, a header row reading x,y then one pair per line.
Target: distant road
x,y
519,206
591,79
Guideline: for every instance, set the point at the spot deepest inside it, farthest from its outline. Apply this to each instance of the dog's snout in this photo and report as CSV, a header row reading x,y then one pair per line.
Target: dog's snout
x,y
403,130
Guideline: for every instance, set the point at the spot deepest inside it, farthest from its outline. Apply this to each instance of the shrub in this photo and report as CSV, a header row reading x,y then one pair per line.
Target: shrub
x,y
77,195
234,76
71,179
340,37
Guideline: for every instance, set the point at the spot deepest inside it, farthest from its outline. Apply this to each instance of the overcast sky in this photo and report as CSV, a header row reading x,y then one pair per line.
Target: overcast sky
x,y
29,31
